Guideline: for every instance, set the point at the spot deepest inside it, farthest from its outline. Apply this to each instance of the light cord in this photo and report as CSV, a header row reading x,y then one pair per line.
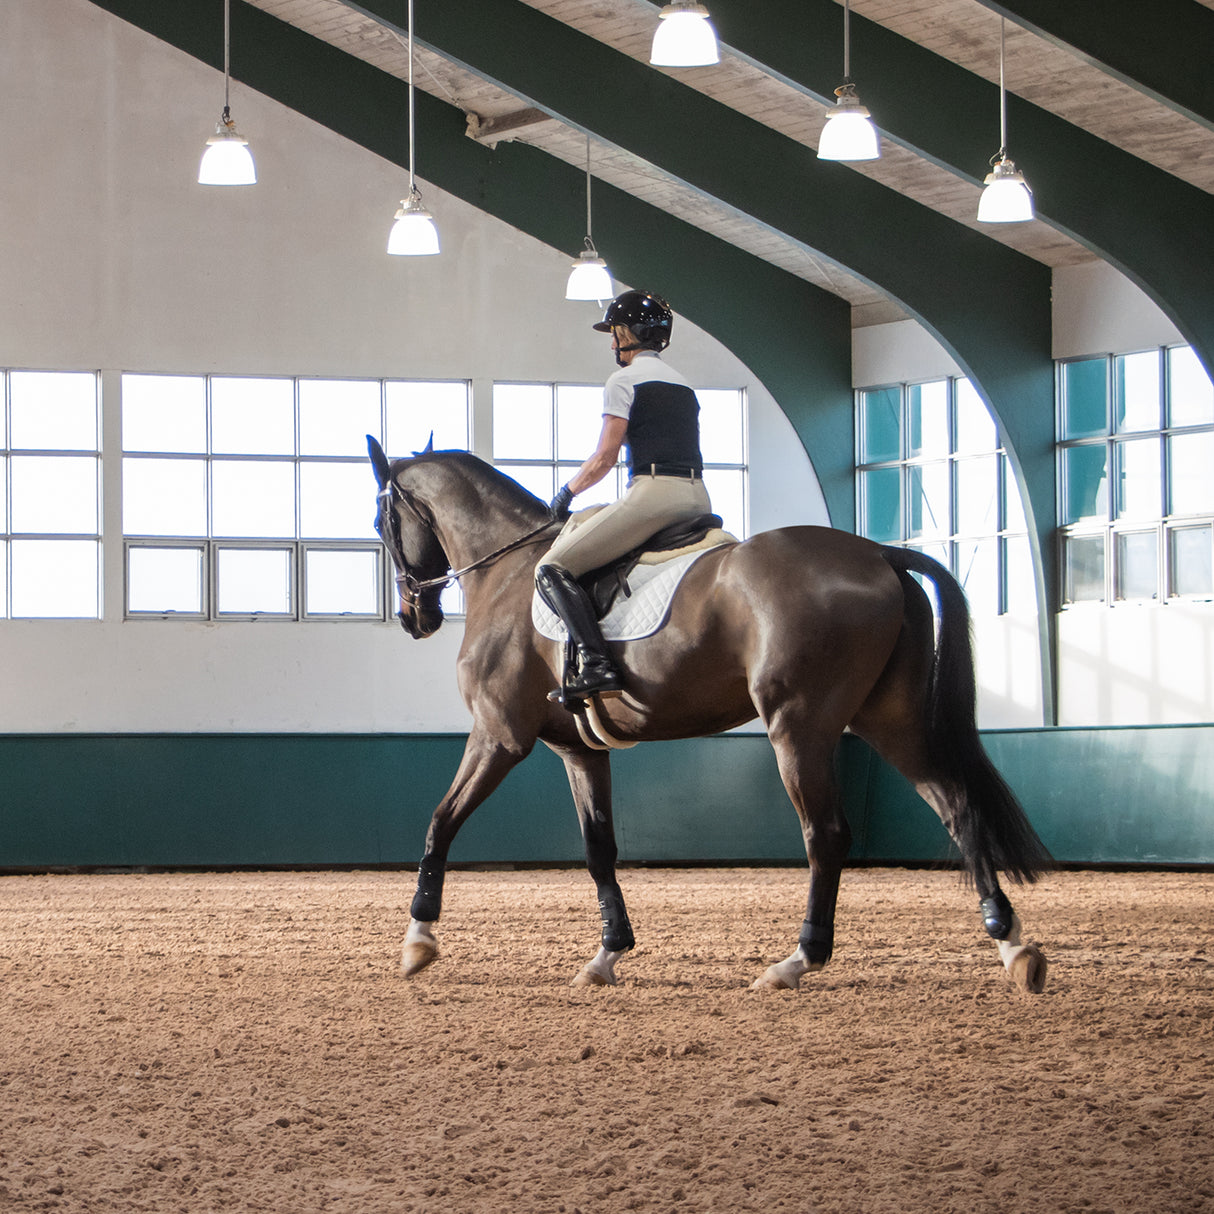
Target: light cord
x,y
1002,95
846,40
227,39
412,187
588,228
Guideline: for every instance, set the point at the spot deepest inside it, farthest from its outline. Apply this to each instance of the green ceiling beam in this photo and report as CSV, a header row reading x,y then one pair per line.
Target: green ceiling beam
x,y
798,343
922,259
1153,227
1162,49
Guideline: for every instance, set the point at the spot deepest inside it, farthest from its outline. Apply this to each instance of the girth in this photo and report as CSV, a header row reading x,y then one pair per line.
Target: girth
x,y
605,584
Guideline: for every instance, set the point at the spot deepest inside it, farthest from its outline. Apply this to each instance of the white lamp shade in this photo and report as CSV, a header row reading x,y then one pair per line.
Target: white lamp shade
x,y
849,134
227,161
413,234
589,279
1007,197
684,38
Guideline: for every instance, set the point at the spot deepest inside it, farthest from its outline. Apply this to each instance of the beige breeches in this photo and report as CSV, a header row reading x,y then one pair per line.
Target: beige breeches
x,y
649,504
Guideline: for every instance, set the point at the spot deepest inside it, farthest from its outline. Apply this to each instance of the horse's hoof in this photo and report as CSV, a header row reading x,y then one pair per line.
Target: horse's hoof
x,y
1028,970
774,980
416,955
589,976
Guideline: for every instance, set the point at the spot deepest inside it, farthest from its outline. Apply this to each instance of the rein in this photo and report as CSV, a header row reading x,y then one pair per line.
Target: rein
x,y
409,587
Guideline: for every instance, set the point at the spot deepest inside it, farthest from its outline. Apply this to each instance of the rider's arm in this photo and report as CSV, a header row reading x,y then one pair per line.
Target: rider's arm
x,y
611,439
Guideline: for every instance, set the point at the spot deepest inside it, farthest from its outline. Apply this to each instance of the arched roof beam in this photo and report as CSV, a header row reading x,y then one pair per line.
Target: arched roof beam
x,y
798,344
1154,228
1161,49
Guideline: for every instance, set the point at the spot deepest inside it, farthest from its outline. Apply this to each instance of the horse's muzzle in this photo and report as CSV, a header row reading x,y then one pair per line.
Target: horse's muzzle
x,y
420,623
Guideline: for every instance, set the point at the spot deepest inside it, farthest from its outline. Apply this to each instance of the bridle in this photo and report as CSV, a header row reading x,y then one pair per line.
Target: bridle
x,y
409,587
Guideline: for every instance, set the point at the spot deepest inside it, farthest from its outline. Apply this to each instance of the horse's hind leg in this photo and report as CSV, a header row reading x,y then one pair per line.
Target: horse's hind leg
x,y
806,764
589,775
897,736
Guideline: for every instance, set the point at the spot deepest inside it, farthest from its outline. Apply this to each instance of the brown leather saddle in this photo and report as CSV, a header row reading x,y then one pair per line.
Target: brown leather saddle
x,y
608,582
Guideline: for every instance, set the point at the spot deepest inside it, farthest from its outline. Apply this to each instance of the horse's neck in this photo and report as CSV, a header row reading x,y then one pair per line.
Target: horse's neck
x,y
471,520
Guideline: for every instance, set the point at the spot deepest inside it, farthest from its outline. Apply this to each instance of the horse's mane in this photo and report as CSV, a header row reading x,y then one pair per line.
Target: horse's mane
x,y
491,480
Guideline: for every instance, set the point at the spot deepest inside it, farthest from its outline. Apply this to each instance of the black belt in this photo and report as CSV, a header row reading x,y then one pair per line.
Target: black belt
x,y
682,470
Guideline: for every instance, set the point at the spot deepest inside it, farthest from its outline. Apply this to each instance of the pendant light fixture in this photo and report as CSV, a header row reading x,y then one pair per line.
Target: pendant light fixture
x,y
413,234
227,159
589,278
849,133
1007,197
684,37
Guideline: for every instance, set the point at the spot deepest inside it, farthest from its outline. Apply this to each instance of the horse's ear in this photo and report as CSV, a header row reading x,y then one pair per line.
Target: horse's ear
x,y
429,447
379,461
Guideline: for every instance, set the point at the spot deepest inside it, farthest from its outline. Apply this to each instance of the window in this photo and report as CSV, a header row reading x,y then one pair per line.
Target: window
x,y
50,484
543,432
252,497
931,475
1136,492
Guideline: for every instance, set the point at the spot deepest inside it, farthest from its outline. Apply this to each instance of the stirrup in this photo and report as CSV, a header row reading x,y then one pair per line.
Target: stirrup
x,y
575,701
598,677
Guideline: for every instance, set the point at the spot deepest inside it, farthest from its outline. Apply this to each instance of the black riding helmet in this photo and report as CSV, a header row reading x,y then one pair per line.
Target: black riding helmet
x,y
645,315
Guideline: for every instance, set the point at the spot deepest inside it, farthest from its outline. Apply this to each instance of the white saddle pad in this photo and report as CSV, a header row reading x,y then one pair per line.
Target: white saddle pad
x,y
631,616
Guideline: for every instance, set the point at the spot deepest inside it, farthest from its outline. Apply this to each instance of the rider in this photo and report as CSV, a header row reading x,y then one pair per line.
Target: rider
x,y
650,407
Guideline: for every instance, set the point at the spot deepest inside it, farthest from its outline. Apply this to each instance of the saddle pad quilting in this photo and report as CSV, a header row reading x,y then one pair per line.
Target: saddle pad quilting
x,y
631,617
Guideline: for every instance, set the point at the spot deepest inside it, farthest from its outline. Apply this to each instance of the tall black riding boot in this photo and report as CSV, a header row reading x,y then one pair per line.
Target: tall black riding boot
x,y
596,673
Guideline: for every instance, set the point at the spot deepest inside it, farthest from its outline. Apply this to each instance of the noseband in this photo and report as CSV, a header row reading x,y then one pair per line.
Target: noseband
x,y
409,587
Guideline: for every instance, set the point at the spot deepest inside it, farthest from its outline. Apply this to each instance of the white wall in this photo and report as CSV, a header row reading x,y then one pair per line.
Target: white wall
x,y
112,258
1097,310
902,352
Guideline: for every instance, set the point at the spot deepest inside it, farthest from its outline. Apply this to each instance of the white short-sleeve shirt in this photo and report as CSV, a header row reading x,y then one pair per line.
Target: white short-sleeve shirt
x,y
620,389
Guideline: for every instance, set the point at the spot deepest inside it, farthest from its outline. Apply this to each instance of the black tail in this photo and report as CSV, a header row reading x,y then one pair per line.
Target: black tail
x,y
988,822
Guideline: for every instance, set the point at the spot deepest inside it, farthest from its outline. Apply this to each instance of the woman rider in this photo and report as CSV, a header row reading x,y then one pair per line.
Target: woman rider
x,y
651,408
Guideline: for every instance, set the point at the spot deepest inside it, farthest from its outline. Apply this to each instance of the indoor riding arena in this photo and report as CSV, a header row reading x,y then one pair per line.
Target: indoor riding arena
x,y
884,883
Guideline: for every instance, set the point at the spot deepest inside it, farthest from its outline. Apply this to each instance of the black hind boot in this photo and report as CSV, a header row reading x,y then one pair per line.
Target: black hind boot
x,y
596,673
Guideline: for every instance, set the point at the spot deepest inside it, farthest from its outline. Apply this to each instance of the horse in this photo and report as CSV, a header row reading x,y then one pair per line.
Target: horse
x,y
812,630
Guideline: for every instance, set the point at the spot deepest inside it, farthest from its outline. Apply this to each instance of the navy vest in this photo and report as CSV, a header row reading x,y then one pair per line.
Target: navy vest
x,y
664,426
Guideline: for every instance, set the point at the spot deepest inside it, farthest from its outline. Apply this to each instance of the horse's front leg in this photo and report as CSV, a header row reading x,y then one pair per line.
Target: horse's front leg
x,y
482,769
589,775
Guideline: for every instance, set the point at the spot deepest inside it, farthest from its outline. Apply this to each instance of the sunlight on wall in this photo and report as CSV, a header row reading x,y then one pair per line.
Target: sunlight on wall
x,y
1007,658
1136,665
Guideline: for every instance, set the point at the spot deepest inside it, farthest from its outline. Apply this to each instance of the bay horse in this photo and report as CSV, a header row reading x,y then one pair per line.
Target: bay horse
x,y
813,631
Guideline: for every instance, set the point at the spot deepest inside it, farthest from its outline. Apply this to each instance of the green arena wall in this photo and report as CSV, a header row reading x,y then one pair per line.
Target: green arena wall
x,y
1123,796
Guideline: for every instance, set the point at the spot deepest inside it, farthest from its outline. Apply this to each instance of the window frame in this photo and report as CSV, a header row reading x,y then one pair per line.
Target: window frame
x,y
951,544
1114,526
297,544
10,536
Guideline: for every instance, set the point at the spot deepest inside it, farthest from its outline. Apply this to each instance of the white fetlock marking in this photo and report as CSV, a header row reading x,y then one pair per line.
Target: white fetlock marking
x,y
786,975
1011,948
420,947
600,971
1026,965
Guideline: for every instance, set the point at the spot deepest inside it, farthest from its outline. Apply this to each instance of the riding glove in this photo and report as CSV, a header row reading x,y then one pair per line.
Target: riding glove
x,y
559,508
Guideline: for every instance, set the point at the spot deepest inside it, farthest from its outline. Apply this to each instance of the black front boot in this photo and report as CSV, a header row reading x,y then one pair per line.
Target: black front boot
x,y
596,673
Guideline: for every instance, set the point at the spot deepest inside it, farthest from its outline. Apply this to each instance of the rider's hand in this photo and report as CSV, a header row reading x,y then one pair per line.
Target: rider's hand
x,y
559,508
